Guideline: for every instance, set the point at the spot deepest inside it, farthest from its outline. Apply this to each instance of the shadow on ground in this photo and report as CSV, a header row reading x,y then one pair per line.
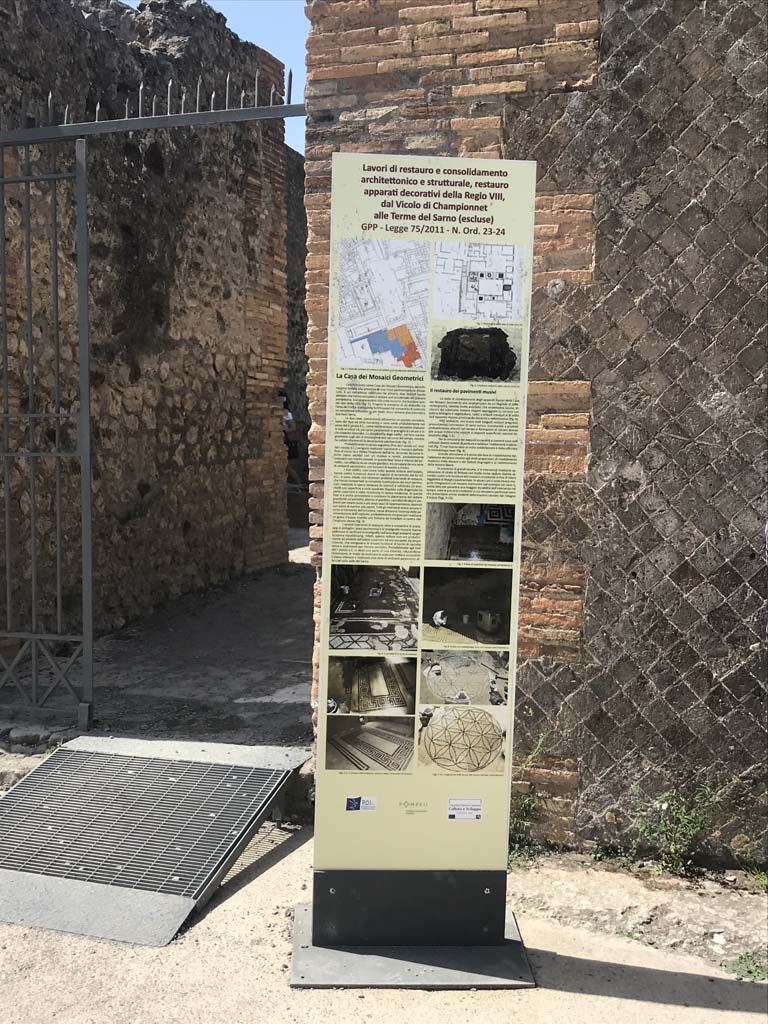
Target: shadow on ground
x,y
645,984
268,847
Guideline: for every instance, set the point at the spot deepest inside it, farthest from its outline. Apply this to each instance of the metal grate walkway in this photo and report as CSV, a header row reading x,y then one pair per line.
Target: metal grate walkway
x,y
102,822
138,822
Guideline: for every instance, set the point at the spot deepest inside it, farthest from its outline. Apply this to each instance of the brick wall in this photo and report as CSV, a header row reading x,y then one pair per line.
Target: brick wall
x,y
187,305
621,695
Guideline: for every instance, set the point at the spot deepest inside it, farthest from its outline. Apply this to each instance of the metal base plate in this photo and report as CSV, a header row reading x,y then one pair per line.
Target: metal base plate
x,y
424,967
102,911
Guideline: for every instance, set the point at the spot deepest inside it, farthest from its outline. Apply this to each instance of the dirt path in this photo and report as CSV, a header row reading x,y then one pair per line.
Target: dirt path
x,y
231,967
703,917
232,665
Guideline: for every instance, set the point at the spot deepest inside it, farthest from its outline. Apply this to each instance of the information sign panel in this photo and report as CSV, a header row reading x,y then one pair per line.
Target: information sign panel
x,y
431,264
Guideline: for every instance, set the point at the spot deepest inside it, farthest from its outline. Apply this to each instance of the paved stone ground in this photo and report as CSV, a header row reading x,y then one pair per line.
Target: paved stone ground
x,y
231,665
230,966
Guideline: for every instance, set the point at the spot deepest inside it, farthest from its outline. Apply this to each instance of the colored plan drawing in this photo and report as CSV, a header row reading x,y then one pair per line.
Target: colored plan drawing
x,y
383,303
479,282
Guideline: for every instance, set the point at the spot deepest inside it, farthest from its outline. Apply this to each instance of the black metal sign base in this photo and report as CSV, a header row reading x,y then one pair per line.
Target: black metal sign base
x,y
422,908
502,965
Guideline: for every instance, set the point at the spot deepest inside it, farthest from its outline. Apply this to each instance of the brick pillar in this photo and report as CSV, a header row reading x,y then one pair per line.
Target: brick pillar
x,y
431,78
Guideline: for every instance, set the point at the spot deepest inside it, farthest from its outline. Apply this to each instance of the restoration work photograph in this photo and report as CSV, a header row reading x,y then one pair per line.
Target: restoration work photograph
x,y
466,607
464,677
486,353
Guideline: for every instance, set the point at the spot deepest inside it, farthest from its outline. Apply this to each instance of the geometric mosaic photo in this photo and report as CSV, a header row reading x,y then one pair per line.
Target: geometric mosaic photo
x,y
463,739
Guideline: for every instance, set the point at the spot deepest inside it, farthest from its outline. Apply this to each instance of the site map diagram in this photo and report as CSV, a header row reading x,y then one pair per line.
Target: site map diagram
x,y
383,303
479,282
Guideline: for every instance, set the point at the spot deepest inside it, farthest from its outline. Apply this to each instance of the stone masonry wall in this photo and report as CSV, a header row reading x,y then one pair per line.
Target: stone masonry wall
x,y
187,303
668,688
618,687
296,385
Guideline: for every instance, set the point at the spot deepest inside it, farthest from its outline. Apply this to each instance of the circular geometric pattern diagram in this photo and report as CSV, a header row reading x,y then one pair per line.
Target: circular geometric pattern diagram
x,y
463,739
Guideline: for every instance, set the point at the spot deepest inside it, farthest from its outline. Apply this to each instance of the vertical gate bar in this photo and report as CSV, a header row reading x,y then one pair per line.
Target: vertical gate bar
x,y
84,431
31,463
56,385
6,407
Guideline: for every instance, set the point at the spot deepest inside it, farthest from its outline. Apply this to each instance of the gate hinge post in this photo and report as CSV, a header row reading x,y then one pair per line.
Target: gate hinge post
x,y
84,716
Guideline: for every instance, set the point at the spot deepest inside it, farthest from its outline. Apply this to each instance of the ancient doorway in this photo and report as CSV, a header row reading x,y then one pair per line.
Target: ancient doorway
x,y
45,431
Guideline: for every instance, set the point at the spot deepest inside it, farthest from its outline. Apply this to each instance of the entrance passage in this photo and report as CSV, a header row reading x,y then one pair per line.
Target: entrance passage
x,y
123,839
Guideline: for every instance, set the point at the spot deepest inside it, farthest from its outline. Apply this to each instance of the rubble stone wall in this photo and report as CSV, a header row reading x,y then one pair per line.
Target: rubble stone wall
x,y
296,386
187,303
643,582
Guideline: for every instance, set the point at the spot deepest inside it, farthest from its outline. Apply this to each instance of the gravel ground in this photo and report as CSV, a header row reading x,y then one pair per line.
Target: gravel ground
x,y
231,965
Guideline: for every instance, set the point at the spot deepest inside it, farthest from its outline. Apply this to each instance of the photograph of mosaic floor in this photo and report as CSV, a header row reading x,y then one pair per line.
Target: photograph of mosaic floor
x,y
463,740
466,607
474,677
374,608
365,686
368,744
470,533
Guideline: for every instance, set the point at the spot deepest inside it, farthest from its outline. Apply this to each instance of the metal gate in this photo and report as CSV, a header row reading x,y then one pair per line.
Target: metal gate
x,y
46,643
45,433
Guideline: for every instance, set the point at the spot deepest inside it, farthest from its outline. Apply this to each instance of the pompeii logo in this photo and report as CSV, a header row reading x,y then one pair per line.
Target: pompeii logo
x,y
414,806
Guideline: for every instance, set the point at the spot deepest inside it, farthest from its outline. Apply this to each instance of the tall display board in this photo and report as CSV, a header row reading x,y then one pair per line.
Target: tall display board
x,y
431,264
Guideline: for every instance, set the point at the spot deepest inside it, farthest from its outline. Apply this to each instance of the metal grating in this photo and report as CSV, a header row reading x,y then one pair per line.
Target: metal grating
x,y
159,825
